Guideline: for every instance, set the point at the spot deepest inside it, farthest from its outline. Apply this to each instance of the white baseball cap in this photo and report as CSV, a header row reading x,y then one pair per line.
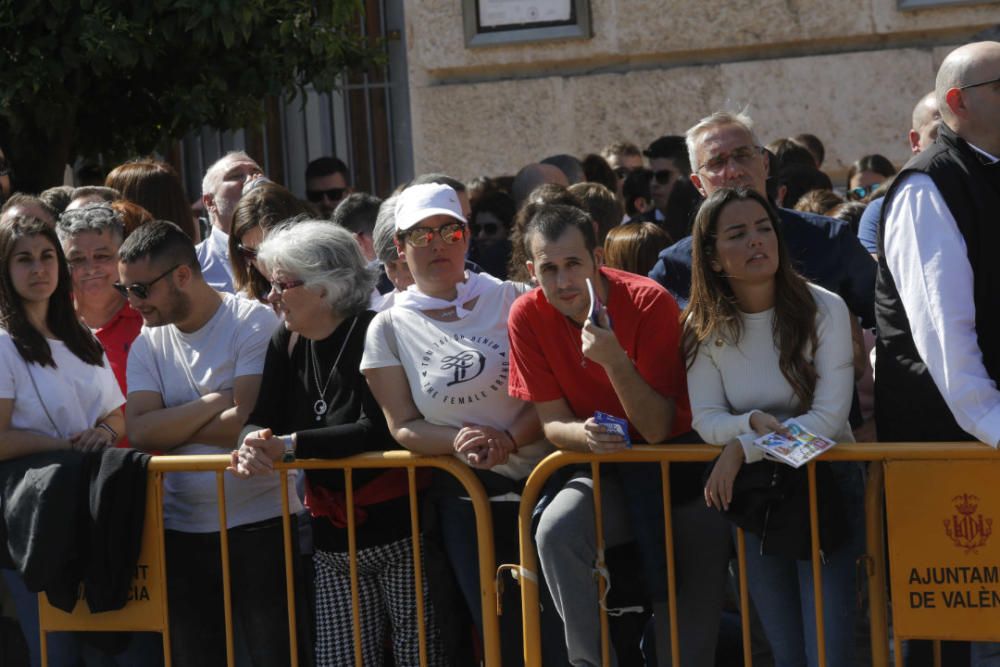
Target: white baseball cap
x,y
419,202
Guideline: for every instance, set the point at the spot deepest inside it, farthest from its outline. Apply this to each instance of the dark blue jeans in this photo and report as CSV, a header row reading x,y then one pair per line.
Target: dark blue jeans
x,y
782,588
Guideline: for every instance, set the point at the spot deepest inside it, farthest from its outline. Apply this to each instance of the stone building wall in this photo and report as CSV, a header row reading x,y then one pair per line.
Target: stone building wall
x,y
848,71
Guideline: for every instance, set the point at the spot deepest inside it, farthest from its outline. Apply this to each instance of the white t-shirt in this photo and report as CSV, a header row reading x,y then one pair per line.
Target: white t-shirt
x,y
184,366
76,393
457,371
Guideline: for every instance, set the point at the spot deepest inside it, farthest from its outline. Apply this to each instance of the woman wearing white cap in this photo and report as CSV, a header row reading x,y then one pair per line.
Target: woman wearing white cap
x,y
437,363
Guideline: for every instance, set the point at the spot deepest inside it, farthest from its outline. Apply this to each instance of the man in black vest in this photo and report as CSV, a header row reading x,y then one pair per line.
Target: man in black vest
x,y
938,350
938,355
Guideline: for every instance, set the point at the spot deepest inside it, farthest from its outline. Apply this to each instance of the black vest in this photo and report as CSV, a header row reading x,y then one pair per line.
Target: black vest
x,y
908,405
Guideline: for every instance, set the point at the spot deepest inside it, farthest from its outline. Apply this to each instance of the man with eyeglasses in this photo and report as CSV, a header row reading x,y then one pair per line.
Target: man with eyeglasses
x,y
938,349
193,377
725,153
221,190
327,184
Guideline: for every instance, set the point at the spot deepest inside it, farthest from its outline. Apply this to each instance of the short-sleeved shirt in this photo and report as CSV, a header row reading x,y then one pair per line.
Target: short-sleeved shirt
x,y
116,337
76,394
547,361
182,367
457,371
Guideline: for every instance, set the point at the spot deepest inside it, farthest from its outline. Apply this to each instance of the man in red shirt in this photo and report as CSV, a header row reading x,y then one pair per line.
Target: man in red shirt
x,y
625,361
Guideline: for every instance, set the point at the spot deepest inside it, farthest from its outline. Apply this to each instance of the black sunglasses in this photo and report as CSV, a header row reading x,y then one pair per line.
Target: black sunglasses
x,y
333,194
622,172
863,191
663,176
141,290
246,253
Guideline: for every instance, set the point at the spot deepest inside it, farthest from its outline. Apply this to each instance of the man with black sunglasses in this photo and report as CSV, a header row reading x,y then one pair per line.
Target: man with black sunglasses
x,y
673,196
193,377
327,184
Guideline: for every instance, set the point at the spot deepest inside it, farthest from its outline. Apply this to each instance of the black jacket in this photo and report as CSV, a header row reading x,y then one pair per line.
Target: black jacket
x,y
71,518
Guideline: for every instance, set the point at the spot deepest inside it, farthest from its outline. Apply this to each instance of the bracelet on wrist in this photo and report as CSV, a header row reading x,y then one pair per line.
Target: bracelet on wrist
x,y
511,439
106,427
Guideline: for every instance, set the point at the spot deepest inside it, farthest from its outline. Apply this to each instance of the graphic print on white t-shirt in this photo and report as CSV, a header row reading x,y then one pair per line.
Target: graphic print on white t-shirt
x,y
457,378
462,370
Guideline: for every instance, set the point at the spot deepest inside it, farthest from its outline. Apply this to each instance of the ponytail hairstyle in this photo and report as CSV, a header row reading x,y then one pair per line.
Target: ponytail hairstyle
x,y
713,313
61,317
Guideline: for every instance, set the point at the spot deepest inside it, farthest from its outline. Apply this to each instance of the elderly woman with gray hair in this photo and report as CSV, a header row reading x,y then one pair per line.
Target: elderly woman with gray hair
x,y
315,403
90,238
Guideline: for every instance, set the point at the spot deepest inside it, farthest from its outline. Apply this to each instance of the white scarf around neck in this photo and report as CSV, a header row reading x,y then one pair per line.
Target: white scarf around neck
x,y
474,286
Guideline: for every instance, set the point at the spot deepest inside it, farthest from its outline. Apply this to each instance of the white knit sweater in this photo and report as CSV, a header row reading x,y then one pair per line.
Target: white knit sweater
x,y
728,382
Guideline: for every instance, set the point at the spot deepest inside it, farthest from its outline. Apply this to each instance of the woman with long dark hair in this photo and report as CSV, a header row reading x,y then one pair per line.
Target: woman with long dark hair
x,y
261,209
57,390
762,346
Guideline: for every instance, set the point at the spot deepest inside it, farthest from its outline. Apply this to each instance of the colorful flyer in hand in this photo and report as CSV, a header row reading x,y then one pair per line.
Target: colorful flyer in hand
x,y
614,425
795,449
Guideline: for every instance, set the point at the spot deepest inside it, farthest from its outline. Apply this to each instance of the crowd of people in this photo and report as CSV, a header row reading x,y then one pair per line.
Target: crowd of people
x,y
704,290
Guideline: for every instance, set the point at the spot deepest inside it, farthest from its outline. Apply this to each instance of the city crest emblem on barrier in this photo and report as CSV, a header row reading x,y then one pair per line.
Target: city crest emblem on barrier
x,y
968,530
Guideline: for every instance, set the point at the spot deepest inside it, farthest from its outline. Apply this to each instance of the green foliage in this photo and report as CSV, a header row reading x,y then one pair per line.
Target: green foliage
x,y
123,77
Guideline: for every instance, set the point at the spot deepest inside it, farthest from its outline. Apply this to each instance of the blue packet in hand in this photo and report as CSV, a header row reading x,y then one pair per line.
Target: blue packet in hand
x,y
614,425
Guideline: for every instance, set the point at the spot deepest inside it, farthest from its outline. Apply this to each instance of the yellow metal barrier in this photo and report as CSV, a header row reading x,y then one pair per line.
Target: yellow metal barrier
x,y
151,614
877,454
146,610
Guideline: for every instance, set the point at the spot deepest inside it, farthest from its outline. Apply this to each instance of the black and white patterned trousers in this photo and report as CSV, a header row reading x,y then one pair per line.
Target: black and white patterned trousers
x,y
386,587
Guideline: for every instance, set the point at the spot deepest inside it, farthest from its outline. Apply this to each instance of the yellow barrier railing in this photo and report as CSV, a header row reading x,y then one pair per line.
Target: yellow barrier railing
x,y
154,617
877,454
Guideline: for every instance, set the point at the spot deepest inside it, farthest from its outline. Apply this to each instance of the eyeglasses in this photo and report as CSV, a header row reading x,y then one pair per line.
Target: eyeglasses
x,y
981,83
420,237
281,286
622,172
861,192
333,194
663,176
743,156
246,253
489,228
141,290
